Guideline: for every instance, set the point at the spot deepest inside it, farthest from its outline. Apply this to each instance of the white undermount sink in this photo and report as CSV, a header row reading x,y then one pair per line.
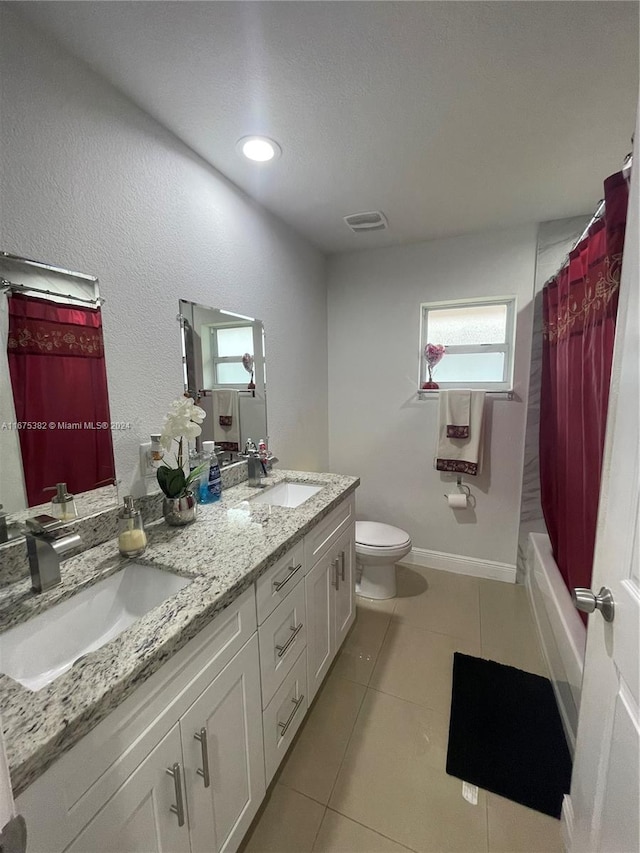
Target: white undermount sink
x,y
286,494
38,651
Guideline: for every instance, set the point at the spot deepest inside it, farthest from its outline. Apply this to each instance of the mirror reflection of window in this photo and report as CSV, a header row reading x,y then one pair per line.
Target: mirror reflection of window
x,y
228,345
214,341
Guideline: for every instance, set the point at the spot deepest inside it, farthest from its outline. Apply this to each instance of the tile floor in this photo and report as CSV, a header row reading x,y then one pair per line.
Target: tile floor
x,y
366,773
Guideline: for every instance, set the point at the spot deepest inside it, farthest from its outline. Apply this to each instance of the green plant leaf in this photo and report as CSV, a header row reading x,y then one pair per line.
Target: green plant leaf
x,y
171,480
193,475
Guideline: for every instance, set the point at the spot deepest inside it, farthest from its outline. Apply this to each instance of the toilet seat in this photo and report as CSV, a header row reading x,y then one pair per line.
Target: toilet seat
x,y
374,536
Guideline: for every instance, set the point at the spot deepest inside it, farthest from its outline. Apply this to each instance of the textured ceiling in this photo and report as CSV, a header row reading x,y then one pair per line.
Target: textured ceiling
x,y
448,116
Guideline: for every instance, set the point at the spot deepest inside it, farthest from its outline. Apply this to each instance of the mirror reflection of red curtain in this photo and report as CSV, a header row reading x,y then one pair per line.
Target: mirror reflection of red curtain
x,y
579,310
59,381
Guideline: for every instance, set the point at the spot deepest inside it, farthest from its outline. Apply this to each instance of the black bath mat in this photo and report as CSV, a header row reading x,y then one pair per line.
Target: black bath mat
x,y
506,735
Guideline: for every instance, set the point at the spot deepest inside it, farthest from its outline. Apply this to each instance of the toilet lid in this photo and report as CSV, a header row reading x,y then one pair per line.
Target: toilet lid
x,y
380,535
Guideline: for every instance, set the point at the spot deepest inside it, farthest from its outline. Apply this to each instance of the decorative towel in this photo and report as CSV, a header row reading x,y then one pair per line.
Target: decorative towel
x,y
226,422
458,405
461,455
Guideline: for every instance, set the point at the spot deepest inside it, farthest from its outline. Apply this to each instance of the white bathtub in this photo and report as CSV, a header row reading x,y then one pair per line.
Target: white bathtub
x,y
561,631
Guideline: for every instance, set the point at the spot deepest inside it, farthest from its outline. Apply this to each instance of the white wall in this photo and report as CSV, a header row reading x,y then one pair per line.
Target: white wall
x,y
92,183
377,426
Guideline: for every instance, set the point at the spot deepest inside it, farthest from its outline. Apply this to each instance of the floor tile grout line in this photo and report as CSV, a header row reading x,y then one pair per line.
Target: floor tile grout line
x,y
346,749
408,701
371,829
439,633
315,837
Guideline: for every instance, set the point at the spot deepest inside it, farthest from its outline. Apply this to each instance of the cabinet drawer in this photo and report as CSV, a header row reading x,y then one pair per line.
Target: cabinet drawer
x,y
282,637
282,717
327,531
276,583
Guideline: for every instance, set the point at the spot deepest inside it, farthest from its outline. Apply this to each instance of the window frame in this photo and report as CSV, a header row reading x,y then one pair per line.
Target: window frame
x,y
229,359
508,347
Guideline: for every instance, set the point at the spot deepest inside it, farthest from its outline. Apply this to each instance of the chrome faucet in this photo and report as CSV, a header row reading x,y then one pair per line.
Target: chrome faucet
x,y
46,543
258,464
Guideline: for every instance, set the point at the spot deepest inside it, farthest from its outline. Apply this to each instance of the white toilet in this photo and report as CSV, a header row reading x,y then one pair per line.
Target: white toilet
x,y
378,548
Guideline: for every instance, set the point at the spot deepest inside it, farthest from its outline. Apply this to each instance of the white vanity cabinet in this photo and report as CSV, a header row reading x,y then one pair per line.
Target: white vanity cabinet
x,y
200,787
222,750
112,791
329,589
138,817
181,766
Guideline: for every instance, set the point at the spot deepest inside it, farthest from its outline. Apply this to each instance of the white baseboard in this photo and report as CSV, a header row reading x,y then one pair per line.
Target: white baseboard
x,y
421,557
566,822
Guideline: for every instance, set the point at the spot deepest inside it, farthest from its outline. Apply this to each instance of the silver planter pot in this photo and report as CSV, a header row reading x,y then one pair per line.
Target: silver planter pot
x,y
180,511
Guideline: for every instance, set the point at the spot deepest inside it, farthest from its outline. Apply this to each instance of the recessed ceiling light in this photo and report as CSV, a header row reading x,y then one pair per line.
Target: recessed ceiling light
x,y
260,149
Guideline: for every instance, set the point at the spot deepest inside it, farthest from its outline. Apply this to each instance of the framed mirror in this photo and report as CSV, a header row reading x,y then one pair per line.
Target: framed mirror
x,y
55,425
224,368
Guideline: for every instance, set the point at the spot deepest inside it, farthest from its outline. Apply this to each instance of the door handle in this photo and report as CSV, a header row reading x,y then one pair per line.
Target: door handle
x,y
203,771
587,601
342,564
336,578
178,807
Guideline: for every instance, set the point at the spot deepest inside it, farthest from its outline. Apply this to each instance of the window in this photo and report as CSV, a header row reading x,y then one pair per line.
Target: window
x,y
479,337
228,345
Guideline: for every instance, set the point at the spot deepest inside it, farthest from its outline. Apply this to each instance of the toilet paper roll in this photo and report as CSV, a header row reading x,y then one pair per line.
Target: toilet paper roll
x,y
457,501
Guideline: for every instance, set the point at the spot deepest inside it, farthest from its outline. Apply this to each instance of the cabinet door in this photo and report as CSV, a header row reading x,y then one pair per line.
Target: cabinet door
x,y
319,592
222,739
139,817
345,602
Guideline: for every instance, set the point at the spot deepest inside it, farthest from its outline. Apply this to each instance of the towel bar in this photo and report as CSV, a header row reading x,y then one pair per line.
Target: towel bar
x,y
426,393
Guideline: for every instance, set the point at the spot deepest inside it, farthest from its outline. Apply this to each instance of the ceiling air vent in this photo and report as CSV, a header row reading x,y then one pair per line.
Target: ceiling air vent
x,y
373,220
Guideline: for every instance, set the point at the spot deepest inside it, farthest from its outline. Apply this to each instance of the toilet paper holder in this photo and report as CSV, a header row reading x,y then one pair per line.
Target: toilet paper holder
x,y
463,486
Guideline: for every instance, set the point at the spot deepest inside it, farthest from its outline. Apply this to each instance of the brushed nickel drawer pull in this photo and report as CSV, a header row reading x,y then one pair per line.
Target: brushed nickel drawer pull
x,y
336,581
282,650
203,771
284,726
178,808
292,571
342,572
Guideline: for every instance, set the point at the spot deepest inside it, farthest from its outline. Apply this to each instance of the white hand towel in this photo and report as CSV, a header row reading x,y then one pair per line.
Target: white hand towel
x,y
226,419
461,455
458,405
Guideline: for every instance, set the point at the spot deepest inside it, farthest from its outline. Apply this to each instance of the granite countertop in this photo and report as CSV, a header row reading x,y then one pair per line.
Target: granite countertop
x,y
230,545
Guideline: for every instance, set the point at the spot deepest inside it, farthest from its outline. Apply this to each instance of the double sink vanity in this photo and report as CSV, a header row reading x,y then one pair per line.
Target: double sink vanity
x,y
147,704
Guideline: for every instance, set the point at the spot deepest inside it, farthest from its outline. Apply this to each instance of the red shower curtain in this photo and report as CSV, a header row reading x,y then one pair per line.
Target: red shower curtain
x,y
59,382
579,308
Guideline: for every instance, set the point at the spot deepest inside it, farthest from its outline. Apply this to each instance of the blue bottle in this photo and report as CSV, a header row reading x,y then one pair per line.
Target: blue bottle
x,y
210,488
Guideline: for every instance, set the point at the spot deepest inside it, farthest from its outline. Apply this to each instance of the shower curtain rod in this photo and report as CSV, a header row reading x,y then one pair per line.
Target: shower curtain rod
x,y
626,169
23,288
